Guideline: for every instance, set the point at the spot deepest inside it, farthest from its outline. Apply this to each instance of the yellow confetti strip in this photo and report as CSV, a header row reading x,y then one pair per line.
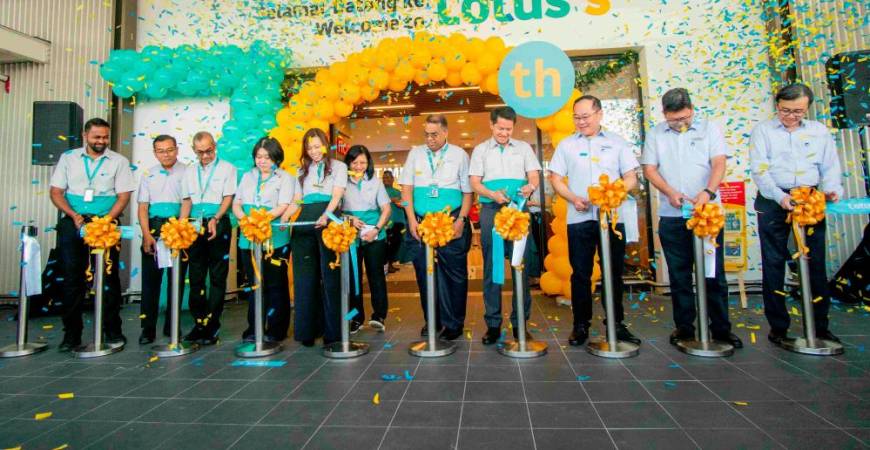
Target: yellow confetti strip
x,y
436,229
511,224
42,416
47,327
377,398
809,206
65,395
752,337
338,237
153,359
61,447
741,403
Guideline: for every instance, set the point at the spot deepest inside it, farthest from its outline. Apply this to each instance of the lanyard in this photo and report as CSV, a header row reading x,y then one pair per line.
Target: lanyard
x,y
358,184
88,172
432,164
202,188
260,184
320,175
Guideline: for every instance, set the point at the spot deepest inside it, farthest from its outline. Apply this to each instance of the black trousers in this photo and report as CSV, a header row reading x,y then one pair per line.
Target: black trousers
x,y
678,246
583,241
374,255
451,277
535,227
774,233
492,291
276,292
394,241
210,258
74,258
316,286
152,280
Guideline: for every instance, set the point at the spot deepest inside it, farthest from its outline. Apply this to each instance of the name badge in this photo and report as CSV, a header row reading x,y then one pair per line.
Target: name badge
x,y
89,195
433,191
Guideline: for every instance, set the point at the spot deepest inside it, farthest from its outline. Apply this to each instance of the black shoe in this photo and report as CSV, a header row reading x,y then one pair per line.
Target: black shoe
x,y
248,338
623,334
425,331
578,336
517,334
194,335
491,336
777,336
681,335
268,338
206,341
450,334
146,338
308,342
827,335
354,326
117,338
730,338
69,343
392,269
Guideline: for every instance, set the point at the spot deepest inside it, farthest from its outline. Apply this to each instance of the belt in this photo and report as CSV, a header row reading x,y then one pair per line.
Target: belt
x,y
788,190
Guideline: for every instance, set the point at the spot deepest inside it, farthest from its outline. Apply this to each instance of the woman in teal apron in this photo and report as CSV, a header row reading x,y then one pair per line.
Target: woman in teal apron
x,y
316,286
367,203
267,186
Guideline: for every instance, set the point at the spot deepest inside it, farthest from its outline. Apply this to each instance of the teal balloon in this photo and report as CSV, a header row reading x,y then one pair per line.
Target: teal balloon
x,y
155,91
110,71
122,91
163,77
133,81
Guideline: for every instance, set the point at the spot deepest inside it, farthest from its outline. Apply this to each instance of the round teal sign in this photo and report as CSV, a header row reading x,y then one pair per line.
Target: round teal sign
x,y
536,79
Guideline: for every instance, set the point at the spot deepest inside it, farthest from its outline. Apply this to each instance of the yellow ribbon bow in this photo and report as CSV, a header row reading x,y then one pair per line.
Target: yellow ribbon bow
x,y
436,229
809,210
338,237
101,234
178,235
707,221
257,225
607,197
511,224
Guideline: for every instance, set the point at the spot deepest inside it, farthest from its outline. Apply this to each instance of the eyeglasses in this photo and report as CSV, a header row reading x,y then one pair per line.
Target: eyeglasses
x,y
586,117
679,119
210,151
432,135
166,151
792,112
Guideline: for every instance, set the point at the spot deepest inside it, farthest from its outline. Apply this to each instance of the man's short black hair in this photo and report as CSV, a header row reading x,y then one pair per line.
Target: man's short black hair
x,y
596,102
504,112
794,91
164,137
437,119
676,99
96,122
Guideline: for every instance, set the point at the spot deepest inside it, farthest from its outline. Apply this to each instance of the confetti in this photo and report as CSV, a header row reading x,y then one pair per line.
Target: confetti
x,y
377,398
42,415
65,395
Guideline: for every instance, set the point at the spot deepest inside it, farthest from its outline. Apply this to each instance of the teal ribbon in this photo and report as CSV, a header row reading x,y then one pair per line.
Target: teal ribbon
x,y
353,263
849,206
518,202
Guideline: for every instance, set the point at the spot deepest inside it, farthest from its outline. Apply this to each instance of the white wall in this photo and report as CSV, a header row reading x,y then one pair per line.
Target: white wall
x,y
713,48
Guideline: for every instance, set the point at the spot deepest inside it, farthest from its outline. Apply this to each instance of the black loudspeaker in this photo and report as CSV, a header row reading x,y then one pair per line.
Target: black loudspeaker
x,y
849,81
57,127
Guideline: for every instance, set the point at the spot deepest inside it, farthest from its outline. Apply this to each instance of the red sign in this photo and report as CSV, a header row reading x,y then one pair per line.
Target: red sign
x,y
341,146
733,193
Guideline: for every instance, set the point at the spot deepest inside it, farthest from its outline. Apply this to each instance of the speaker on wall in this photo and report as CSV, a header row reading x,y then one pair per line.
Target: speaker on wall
x,y
57,127
849,81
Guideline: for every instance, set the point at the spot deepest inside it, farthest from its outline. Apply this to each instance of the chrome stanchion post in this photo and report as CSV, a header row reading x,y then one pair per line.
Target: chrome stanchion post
x,y
98,347
433,346
21,347
259,348
175,348
610,347
809,344
521,348
345,348
703,346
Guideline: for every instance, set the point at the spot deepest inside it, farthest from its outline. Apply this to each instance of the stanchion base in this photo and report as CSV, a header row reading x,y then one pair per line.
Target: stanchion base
x,y
601,348
91,351
336,350
252,350
179,349
423,350
29,348
710,349
533,349
823,347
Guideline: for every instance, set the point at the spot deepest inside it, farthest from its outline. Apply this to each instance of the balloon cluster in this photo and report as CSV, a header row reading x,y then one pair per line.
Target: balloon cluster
x,y
338,236
607,197
436,229
560,124
257,225
391,65
178,234
250,78
102,233
809,208
557,278
707,220
511,224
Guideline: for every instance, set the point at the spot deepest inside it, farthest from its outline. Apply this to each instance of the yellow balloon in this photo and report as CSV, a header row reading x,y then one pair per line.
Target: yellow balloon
x,y
470,75
558,246
403,45
322,76
358,75
349,93
550,262
422,77
404,71
455,60
454,79
379,79
280,133
397,84
438,46
487,63
368,57
564,121
566,288
387,59
495,46
368,93
490,84
284,117
319,124
338,72
420,56
551,284
324,110
557,136
328,90
560,208
437,72
342,109
559,226
457,40
563,267
545,123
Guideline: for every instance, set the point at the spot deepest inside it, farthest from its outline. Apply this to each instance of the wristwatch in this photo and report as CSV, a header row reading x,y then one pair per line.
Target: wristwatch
x,y
463,218
712,194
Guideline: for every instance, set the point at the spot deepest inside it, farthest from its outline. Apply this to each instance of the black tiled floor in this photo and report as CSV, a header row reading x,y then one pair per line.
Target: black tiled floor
x,y
761,397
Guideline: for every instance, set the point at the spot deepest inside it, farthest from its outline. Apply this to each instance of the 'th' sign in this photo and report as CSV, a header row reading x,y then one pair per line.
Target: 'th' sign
x,y
536,79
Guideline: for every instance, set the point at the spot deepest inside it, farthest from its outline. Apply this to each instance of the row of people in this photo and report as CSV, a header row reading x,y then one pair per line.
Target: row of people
x,y
684,158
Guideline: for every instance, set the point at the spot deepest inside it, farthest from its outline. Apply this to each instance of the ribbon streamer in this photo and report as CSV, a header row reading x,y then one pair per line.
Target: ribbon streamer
x,y
338,237
607,197
511,224
809,210
101,234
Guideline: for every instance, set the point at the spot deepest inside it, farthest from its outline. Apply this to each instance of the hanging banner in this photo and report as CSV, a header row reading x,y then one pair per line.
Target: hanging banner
x,y
733,194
